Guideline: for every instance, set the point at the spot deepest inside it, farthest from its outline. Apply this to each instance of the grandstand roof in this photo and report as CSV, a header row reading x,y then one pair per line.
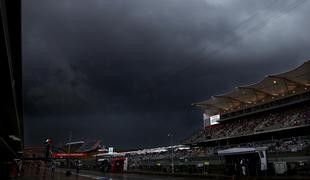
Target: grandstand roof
x,y
271,87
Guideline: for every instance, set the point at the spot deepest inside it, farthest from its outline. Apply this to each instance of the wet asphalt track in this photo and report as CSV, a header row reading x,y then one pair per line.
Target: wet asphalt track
x,y
104,176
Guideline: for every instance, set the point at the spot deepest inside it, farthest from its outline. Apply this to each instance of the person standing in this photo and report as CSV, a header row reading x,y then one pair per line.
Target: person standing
x,y
53,167
77,166
243,167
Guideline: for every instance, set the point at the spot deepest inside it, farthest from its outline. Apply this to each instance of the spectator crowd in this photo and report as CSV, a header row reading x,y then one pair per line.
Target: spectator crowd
x,y
287,117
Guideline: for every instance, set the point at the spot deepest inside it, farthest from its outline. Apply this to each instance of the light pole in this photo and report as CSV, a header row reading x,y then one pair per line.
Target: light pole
x,y
69,149
172,149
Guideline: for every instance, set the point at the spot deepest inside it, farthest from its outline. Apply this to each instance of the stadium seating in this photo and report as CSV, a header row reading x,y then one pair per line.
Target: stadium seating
x,y
276,119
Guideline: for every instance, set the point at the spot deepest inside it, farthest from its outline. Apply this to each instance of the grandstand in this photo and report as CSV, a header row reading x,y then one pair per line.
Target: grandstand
x,y
278,102
264,125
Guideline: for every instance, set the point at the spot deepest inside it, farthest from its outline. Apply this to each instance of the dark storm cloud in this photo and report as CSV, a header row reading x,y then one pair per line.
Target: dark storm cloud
x,y
127,71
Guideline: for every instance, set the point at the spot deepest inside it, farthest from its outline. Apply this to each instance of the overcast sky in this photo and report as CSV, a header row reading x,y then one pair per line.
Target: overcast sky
x,y
126,71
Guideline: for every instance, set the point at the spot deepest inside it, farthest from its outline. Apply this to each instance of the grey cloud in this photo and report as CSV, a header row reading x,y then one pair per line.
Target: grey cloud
x,y
118,69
